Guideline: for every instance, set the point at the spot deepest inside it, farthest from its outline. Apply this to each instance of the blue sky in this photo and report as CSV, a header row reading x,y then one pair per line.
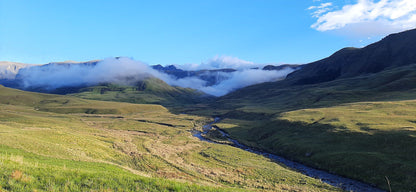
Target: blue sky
x,y
192,32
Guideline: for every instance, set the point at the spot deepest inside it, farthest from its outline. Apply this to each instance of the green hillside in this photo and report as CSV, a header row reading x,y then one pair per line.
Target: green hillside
x,y
352,113
395,50
364,140
274,97
61,143
148,91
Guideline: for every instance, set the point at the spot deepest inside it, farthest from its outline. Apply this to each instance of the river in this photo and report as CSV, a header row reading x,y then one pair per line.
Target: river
x,y
334,180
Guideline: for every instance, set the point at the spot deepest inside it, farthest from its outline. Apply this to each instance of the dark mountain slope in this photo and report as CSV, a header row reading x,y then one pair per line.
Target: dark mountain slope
x,y
332,125
392,84
281,67
381,71
324,114
392,51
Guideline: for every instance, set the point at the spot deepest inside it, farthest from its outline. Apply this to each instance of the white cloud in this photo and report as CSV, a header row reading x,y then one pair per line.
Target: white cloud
x,y
188,82
220,62
122,71
321,9
244,78
127,71
366,17
233,81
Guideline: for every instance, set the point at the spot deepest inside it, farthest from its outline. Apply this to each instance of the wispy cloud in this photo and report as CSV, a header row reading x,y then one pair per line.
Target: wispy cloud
x,y
220,62
321,9
248,73
366,17
245,78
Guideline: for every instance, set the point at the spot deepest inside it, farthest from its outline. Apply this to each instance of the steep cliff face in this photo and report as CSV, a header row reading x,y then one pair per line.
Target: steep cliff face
x,y
9,70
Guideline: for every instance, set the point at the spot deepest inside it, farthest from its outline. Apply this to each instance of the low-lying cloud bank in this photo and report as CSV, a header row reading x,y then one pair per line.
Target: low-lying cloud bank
x,y
220,62
127,71
235,80
116,70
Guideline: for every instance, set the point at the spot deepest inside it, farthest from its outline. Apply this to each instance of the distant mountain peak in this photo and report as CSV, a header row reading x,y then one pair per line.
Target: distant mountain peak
x,y
9,70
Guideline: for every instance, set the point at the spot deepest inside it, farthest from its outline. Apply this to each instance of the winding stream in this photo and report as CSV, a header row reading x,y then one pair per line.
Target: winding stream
x,y
334,180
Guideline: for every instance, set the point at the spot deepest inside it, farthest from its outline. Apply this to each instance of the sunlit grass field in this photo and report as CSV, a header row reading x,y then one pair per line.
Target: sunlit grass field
x,y
368,141
60,143
149,91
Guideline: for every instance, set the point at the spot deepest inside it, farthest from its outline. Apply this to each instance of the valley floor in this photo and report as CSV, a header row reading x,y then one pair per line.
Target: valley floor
x,y
370,141
59,143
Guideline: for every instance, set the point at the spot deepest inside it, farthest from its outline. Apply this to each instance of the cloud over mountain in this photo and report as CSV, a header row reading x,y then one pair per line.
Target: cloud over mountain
x,y
127,71
244,78
116,70
220,62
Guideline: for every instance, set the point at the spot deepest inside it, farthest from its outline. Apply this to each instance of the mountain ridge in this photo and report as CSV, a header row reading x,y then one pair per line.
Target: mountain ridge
x,y
351,113
9,70
392,51
348,66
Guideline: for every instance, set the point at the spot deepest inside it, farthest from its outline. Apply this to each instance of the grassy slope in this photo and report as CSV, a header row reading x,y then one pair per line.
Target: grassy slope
x,y
395,84
149,91
377,136
327,125
24,171
61,143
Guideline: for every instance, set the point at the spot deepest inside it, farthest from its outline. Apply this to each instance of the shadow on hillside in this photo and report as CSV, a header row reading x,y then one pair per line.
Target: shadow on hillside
x,y
369,155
